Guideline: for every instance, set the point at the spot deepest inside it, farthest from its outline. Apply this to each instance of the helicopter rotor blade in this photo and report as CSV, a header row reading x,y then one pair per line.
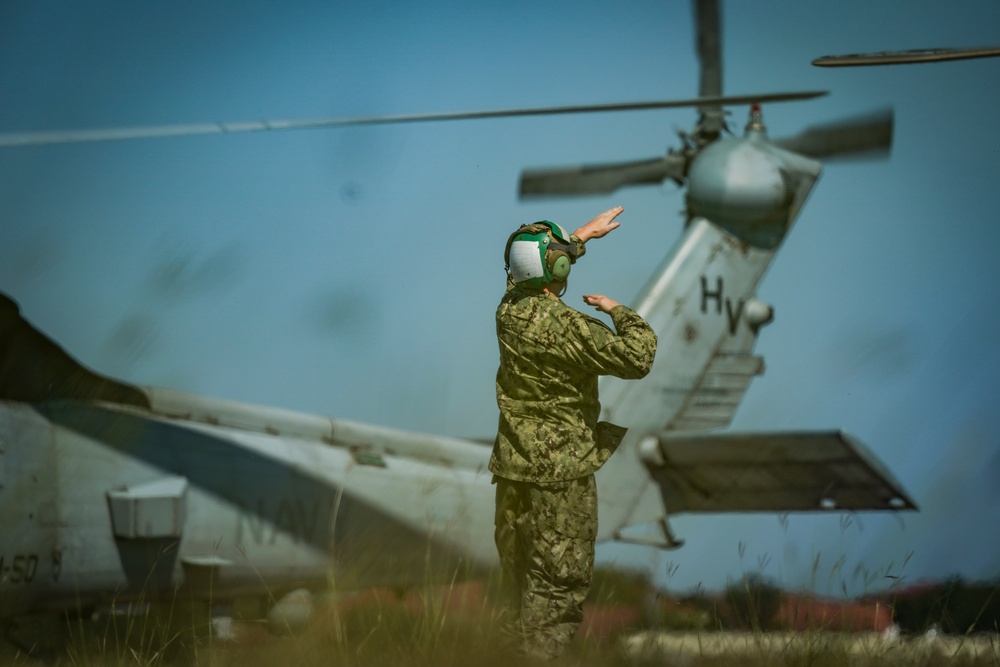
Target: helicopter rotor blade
x,y
601,179
122,133
906,57
869,135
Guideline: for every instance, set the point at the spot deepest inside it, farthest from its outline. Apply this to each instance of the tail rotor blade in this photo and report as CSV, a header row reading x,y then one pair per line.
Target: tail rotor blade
x,y
869,135
601,179
708,46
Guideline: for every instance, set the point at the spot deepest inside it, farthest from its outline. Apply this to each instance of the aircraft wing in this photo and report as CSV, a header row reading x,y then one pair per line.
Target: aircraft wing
x,y
770,472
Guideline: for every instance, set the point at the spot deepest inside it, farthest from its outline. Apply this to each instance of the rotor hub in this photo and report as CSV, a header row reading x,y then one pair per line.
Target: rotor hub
x,y
750,187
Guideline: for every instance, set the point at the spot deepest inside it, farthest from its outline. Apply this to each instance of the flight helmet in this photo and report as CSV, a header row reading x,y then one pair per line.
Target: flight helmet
x,y
538,254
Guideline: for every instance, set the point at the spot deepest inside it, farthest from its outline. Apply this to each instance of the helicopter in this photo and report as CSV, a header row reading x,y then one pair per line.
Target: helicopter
x,y
117,491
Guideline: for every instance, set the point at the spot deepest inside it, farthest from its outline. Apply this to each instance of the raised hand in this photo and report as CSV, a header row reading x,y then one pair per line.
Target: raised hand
x,y
602,303
601,225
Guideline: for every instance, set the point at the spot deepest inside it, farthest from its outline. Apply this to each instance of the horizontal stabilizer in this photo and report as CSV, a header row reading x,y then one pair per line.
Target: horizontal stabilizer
x,y
770,472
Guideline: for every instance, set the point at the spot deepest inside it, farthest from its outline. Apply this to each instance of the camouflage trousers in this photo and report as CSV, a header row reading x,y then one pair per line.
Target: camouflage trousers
x,y
545,537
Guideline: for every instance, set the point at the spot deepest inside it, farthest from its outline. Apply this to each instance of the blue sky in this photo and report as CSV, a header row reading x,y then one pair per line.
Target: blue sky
x,y
354,272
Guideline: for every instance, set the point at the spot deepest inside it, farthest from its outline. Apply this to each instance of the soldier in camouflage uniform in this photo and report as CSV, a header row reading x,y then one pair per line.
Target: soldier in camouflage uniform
x,y
549,443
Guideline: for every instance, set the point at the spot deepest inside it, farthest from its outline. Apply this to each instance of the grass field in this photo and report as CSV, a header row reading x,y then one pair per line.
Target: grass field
x,y
427,632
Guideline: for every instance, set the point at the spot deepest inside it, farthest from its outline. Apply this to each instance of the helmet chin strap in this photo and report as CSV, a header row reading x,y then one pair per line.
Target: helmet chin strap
x,y
562,290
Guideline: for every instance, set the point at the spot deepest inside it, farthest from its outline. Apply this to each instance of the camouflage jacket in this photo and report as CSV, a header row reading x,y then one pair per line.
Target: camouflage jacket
x,y
550,359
